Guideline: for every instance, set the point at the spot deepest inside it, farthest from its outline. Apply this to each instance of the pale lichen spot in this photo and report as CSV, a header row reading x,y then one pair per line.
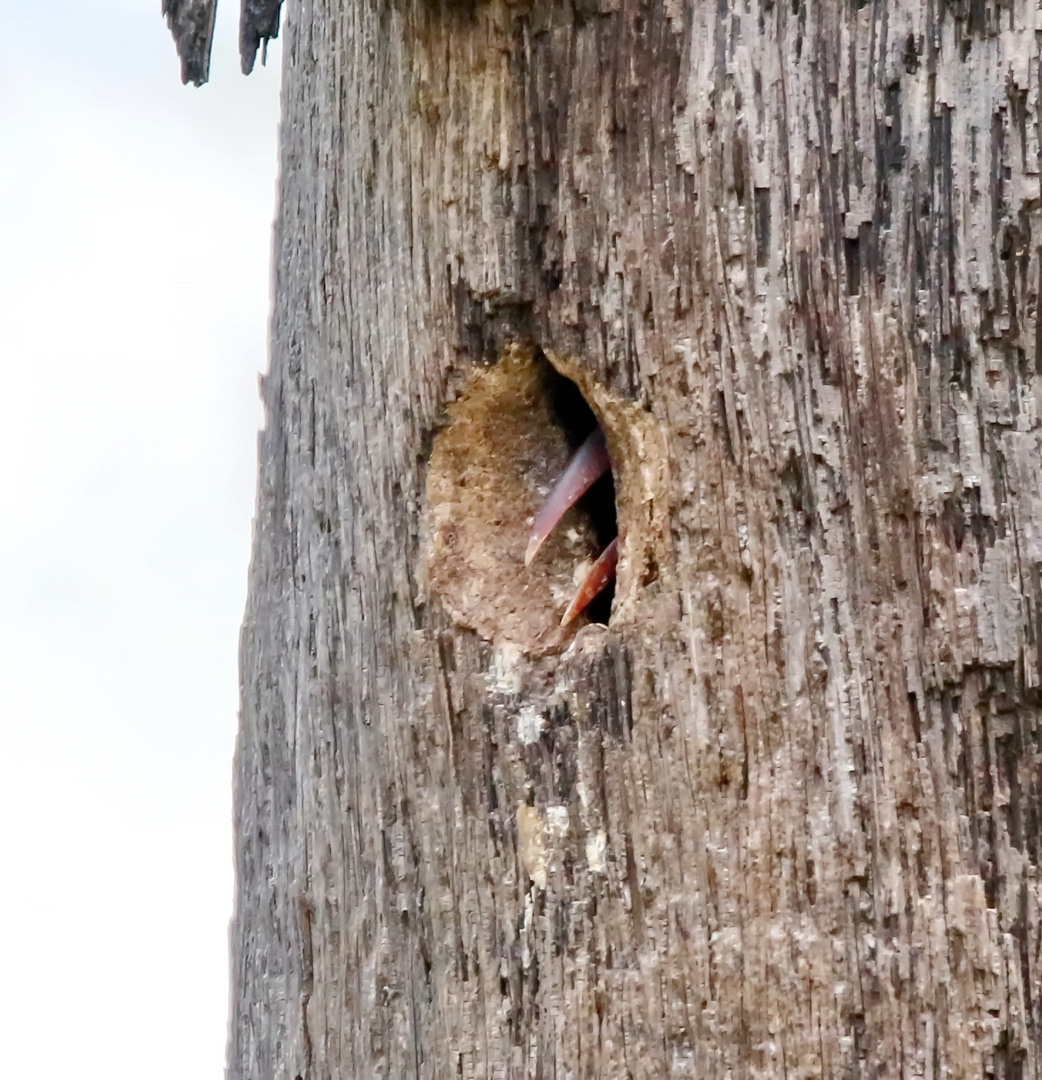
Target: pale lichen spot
x,y
504,675
597,851
557,821
530,725
532,842
526,931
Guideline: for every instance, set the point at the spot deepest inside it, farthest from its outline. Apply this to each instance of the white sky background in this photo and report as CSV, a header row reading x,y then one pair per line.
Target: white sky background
x,y
135,222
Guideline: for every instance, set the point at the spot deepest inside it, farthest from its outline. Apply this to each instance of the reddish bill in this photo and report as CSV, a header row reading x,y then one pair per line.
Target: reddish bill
x,y
589,464
596,581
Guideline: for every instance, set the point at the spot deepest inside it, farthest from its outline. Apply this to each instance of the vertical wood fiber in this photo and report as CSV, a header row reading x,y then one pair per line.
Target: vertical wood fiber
x,y
790,799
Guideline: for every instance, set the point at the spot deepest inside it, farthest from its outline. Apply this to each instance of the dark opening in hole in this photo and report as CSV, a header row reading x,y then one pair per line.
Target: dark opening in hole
x,y
577,421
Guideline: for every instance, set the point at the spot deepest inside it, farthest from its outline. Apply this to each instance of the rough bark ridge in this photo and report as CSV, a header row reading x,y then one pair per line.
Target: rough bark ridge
x,y
191,24
258,24
782,817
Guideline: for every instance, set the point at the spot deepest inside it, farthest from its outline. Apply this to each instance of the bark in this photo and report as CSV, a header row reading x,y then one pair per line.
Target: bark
x,y
258,24
781,817
191,24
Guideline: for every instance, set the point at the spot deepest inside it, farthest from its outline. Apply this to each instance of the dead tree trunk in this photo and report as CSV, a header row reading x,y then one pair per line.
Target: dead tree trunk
x,y
781,816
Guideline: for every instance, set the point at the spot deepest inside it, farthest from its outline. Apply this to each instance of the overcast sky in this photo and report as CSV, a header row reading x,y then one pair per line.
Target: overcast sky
x,y
135,219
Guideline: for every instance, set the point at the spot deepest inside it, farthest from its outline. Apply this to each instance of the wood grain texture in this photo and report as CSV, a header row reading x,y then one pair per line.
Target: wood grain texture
x,y
191,24
258,24
782,816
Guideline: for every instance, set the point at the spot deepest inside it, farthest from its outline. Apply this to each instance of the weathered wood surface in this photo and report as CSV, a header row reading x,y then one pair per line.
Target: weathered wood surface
x,y
191,24
258,24
782,817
